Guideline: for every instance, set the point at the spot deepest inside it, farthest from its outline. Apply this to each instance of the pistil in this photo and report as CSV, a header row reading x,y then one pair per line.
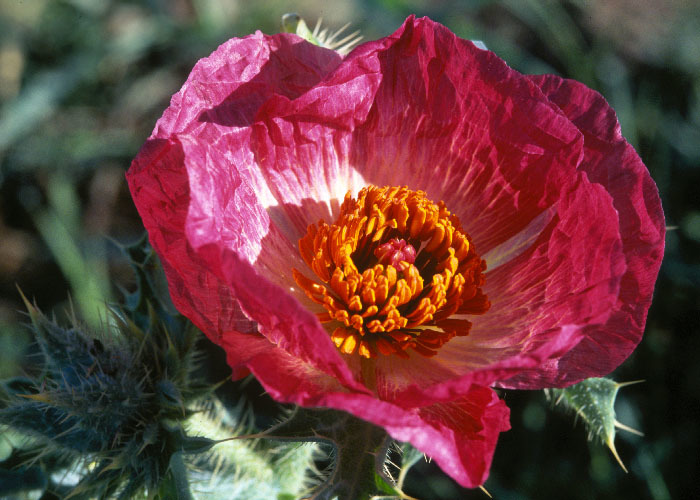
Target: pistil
x,y
396,252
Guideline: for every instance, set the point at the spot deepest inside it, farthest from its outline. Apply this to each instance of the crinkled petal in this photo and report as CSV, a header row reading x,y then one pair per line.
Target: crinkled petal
x,y
160,189
512,156
195,182
459,435
279,316
610,161
542,303
228,87
506,156
420,102
426,380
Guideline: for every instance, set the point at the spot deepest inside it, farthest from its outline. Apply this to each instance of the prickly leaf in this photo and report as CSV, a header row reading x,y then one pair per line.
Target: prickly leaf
x,y
593,401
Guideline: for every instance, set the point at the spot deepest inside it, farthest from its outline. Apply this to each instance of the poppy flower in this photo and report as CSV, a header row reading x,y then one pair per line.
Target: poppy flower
x,y
397,232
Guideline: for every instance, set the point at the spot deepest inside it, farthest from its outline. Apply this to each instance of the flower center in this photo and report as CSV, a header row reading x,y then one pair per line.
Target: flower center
x,y
396,252
394,268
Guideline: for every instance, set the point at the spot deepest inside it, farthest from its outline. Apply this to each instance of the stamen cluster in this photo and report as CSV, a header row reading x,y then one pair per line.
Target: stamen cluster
x,y
394,267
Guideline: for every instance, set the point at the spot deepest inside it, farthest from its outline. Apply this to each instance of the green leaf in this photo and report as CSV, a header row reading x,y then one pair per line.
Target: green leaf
x,y
593,400
151,285
360,452
174,485
190,444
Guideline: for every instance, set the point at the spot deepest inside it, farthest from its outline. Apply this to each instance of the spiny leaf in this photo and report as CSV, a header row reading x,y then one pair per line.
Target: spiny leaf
x,y
116,406
151,296
190,444
245,469
117,398
593,400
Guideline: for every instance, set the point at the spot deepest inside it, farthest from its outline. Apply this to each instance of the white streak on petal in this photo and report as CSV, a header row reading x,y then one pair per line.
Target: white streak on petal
x,y
348,179
263,193
516,245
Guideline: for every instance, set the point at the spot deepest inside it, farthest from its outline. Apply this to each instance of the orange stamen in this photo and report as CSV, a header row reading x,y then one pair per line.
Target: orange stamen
x,y
392,268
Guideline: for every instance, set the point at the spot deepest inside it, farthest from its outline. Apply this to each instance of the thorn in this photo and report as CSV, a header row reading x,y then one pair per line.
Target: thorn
x,y
115,464
347,40
403,496
628,429
625,384
611,445
561,396
317,27
32,310
338,32
485,491
24,297
290,21
40,397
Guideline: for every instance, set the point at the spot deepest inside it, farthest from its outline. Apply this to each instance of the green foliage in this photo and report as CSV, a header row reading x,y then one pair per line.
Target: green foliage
x,y
119,398
115,408
359,451
593,401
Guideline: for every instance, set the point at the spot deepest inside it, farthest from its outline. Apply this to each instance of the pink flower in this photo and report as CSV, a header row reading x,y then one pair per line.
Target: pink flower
x,y
536,271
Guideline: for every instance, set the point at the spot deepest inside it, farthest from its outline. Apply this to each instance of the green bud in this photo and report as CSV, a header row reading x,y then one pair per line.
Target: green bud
x,y
293,23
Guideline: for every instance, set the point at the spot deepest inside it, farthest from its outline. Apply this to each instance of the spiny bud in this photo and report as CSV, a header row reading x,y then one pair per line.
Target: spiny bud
x,y
115,408
115,396
293,23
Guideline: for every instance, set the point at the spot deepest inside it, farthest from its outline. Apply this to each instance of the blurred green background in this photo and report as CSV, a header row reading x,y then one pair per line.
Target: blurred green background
x,y
82,83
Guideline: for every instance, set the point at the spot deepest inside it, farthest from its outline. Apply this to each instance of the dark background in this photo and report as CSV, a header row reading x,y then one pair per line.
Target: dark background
x,y
82,83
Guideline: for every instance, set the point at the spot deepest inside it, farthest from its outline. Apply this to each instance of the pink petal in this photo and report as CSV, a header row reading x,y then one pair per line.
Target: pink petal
x,y
428,380
280,317
441,105
228,87
160,190
422,101
459,435
610,161
542,303
373,115
188,192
